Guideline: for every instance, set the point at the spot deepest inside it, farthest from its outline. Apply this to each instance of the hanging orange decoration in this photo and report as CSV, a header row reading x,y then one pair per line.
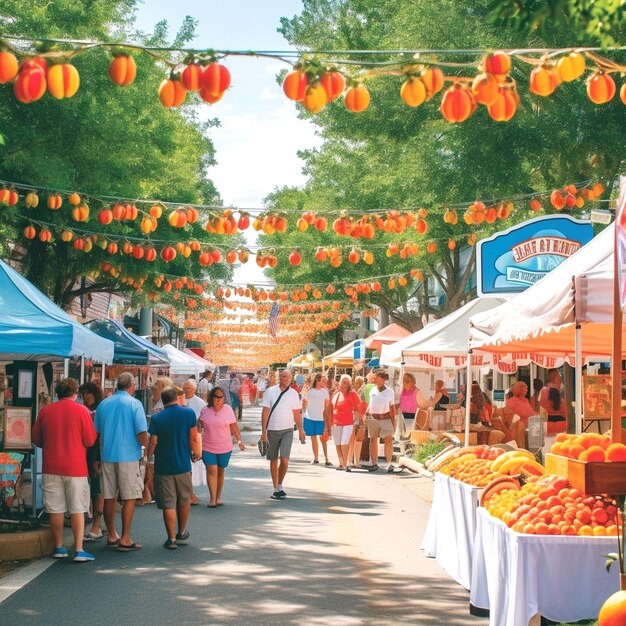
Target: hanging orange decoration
x,y
334,83
8,197
457,104
535,205
63,80
432,78
216,79
31,201
8,67
210,97
413,91
54,202
177,219
503,108
498,63
544,79
172,93
622,93
168,254
45,235
122,69
315,98
80,213
30,84
191,77
485,88
295,84
571,66
105,217
357,98
30,232
600,88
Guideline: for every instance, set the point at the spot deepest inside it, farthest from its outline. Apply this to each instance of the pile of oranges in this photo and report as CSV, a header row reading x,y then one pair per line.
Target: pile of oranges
x,y
589,447
549,507
471,470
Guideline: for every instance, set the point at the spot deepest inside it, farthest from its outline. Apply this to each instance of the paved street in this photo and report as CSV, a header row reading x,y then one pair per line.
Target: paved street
x,y
342,549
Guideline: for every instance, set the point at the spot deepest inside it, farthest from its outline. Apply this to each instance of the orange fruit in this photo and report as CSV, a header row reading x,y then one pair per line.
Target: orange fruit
x,y
586,531
596,454
599,531
575,451
606,442
613,611
591,440
616,452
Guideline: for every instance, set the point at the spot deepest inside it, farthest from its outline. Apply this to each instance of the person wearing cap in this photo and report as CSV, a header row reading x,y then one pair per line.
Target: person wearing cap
x,y
381,421
123,428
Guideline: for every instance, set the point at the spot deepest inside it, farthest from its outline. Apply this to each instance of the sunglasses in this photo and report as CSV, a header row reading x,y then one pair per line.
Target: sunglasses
x,y
218,397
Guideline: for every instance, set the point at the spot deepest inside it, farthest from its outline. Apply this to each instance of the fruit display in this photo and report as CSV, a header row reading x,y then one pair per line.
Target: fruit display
x,y
589,447
517,462
470,469
548,506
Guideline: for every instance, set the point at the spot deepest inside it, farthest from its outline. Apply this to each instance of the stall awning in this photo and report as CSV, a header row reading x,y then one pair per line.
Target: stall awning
x,y
543,318
441,344
181,363
33,328
207,365
130,349
344,357
387,335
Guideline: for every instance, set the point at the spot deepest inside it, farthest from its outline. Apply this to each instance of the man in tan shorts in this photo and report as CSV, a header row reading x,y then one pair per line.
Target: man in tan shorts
x,y
381,420
121,422
64,430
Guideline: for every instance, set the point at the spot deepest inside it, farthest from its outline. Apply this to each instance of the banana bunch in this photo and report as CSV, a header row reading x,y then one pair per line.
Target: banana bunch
x,y
517,462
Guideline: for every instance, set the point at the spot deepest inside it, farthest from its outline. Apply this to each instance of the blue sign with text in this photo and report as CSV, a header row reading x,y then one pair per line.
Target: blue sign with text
x,y
359,349
511,261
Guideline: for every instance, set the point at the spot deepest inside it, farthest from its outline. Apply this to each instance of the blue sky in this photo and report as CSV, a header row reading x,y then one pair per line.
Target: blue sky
x,y
260,132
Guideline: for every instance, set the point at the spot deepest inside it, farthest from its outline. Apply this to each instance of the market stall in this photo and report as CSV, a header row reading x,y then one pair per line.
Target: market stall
x,y
515,575
344,357
386,336
206,364
181,364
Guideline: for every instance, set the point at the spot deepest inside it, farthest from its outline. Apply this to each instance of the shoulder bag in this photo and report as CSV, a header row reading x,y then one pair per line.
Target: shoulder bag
x,y
263,444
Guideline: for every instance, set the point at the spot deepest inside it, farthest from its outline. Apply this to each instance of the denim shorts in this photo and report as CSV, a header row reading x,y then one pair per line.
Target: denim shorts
x,y
313,428
221,460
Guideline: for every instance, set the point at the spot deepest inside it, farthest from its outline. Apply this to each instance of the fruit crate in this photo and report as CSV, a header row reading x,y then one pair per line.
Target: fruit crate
x,y
422,436
589,478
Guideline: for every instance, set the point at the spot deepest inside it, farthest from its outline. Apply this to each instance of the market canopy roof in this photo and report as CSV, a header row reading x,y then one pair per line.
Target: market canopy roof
x,y
440,344
33,328
344,357
181,363
207,365
543,318
388,334
130,349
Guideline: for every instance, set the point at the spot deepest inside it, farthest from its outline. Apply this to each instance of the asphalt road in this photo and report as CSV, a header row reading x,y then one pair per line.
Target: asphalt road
x,y
343,549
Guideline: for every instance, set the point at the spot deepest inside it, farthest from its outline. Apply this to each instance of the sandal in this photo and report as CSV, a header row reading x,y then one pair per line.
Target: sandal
x,y
113,544
92,536
133,547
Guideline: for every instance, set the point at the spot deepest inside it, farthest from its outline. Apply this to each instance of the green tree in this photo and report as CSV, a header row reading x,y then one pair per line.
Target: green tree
x,y
394,157
106,142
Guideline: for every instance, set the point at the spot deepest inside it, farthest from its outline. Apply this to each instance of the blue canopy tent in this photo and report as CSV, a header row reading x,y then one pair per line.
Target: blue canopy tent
x,y
33,328
130,349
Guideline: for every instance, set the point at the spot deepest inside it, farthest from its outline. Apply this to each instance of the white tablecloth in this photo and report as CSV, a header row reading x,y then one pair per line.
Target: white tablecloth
x,y
516,576
451,526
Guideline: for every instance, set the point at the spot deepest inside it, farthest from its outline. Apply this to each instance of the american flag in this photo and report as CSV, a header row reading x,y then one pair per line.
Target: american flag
x,y
273,325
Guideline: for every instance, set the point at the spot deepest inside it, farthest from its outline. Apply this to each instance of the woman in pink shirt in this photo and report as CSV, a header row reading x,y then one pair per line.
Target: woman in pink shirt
x,y
412,400
520,403
218,425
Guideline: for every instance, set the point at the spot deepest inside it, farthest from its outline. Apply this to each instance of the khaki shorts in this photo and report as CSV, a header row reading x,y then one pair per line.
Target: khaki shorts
x,y
378,428
171,491
63,494
279,444
124,478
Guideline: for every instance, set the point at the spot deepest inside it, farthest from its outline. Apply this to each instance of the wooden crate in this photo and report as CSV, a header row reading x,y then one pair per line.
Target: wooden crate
x,y
589,478
422,436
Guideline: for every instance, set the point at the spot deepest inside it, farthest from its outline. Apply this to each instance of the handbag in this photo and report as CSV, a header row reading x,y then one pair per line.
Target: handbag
x,y
262,444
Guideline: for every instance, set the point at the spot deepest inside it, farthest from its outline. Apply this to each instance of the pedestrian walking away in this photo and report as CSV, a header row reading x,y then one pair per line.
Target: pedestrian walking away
x,y
218,425
281,409
173,440
314,403
122,425
64,430
197,404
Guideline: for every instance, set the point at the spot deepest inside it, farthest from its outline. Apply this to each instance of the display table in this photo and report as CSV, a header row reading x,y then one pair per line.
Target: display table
x,y
451,526
516,576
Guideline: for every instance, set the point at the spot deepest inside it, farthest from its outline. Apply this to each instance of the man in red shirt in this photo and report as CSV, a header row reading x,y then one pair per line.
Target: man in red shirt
x,y
64,430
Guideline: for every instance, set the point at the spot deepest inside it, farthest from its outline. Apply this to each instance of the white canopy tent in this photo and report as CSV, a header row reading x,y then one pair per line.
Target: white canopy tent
x,y
567,313
181,363
443,344
344,357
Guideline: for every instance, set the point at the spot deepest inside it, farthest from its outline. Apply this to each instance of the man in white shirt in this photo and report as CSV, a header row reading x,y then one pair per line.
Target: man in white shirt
x,y
381,420
204,386
281,408
261,386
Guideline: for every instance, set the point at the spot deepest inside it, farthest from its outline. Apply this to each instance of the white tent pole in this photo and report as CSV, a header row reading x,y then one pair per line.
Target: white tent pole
x,y
82,370
102,376
468,389
578,381
66,368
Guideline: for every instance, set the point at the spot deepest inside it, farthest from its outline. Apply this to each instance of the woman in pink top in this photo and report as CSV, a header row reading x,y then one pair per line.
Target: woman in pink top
x,y
520,403
412,400
340,414
218,425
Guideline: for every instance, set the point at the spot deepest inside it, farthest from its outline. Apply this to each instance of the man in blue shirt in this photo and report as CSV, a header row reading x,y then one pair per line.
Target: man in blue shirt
x,y
173,440
121,422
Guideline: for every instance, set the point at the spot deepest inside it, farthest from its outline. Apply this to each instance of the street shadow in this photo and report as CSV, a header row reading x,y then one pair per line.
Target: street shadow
x,y
253,561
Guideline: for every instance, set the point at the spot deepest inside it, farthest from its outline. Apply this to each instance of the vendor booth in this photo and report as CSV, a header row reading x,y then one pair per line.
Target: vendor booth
x,y
33,330
344,357
205,363
181,364
386,336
